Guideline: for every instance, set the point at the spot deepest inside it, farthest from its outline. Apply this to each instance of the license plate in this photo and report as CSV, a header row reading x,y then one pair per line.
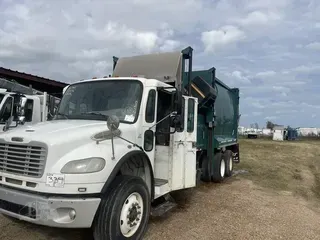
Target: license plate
x,y
55,180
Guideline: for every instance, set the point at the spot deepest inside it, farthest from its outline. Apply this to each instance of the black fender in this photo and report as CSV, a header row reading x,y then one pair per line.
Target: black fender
x,y
117,168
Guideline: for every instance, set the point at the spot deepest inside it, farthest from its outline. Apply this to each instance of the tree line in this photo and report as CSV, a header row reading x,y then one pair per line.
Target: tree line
x,y
271,125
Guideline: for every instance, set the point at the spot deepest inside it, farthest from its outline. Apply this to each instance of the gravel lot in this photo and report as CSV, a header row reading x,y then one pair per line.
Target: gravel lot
x,y
237,209
278,198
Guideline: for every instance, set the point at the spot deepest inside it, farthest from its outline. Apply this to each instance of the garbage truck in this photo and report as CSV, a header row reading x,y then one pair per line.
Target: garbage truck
x,y
118,146
22,105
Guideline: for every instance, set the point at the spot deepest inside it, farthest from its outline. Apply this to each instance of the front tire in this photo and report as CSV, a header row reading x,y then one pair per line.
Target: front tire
x,y
124,212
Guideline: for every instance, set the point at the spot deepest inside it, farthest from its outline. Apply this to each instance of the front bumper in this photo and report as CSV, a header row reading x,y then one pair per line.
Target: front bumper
x,y
49,211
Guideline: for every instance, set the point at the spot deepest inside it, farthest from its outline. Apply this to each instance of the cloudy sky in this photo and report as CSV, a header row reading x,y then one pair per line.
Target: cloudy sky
x,y
268,48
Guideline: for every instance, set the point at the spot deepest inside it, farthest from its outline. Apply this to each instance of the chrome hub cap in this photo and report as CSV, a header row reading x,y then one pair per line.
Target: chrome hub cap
x,y
131,215
222,168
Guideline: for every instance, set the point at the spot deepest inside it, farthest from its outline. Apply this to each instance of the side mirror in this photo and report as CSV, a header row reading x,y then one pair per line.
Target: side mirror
x,y
175,121
113,123
55,109
22,120
178,103
7,124
20,102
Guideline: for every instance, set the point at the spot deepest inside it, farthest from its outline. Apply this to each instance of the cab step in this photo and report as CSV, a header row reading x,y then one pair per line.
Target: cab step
x,y
161,187
163,205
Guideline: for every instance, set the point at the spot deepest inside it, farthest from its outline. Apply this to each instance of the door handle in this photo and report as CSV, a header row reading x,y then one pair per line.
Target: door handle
x,y
193,151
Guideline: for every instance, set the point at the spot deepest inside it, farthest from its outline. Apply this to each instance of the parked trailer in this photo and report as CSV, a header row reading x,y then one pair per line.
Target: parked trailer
x,y
118,146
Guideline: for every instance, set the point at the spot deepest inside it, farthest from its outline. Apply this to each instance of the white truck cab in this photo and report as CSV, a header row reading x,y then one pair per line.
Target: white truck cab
x,y
61,171
115,146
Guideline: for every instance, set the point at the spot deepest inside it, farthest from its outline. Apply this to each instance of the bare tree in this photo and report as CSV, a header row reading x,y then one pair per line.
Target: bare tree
x,y
270,125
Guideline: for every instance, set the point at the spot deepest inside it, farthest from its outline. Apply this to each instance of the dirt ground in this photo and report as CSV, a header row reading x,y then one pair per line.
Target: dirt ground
x,y
247,206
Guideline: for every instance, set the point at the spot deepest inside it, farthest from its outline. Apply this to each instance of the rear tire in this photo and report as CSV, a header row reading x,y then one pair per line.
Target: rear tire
x,y
228,157
206,168
124,211
219,168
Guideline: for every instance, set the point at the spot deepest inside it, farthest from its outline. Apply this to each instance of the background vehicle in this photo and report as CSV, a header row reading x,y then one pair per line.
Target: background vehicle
x,y
24,105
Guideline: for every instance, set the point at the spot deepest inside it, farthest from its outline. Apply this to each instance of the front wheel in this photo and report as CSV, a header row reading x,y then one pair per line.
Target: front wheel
x,y
124,212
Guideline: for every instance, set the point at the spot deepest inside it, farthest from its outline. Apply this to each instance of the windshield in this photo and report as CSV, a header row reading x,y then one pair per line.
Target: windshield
x,y
98,100
1,97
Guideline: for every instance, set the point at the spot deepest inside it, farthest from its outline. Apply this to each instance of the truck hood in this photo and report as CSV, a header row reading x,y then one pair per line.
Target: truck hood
x,y
60,131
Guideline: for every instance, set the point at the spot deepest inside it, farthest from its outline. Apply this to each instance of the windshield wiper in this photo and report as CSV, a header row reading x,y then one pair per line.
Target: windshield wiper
x,y
96,114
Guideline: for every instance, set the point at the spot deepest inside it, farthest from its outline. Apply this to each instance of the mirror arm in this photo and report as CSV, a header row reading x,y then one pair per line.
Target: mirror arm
x,y
135,145
169,115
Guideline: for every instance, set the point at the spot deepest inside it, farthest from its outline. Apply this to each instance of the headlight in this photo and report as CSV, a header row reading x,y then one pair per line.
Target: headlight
x,y
87,165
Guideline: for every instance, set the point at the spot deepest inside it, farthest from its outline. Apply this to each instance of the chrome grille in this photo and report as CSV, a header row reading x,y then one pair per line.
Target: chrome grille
x,y
26,160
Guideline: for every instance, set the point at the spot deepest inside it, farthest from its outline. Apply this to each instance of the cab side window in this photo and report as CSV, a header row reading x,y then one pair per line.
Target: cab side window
x,y
151,106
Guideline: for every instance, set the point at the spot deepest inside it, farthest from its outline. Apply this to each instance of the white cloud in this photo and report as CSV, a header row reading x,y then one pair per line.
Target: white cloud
x,y
256,113
170,45
266,74
313,46
271,117
144,41
222,37
306,69
256,103
239,76
259,18
267,4
276,69
281,89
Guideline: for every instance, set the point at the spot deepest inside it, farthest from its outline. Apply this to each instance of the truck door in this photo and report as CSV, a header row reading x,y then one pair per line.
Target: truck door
x,y
191,117
149,121
184,148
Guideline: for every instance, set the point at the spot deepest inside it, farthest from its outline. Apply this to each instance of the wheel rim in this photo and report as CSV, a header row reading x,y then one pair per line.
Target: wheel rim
x,y
222,168
131,215
230,164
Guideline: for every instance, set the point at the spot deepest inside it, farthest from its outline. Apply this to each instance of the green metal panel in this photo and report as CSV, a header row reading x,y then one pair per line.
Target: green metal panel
x,y
226,110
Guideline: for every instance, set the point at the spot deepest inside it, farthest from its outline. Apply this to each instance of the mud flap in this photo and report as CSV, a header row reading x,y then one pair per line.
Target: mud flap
x,y
236,153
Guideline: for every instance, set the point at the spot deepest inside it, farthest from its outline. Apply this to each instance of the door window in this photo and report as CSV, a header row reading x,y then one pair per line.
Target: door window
x,y
190,122
151,106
